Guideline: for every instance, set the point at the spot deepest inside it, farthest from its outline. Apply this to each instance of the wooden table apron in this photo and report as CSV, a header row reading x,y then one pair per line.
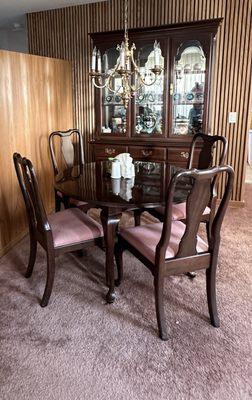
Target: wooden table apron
x,y
92,184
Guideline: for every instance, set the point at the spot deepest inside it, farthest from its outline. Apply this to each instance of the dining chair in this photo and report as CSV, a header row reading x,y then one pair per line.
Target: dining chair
x,y
174,247
62,232
67,154
205,160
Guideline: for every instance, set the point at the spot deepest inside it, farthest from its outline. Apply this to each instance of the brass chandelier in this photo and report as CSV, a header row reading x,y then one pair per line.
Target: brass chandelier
x,y
125,68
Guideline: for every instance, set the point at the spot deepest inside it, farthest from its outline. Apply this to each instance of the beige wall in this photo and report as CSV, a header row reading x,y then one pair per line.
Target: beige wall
x,y
63,33
35,99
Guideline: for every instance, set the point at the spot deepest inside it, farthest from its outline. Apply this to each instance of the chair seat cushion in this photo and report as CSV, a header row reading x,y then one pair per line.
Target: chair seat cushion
x,y
72,226
146,237
74,202
179,211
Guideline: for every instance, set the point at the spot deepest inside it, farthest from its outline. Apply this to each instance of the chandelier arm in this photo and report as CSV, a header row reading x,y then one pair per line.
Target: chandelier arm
x,y
97,85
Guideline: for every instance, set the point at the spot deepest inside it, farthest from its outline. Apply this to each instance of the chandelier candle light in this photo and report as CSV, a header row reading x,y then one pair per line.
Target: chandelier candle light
x,y
125,67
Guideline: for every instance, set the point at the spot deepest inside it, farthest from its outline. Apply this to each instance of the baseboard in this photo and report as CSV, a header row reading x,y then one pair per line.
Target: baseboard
x,y
235,203
11,244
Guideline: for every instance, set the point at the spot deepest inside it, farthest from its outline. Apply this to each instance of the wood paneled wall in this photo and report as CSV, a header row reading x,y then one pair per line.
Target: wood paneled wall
x,y
63,33
35,99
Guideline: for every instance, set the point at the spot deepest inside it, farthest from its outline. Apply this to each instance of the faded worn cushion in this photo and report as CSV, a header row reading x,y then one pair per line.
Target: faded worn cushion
x,y
73,202
72,226
179,211
146,237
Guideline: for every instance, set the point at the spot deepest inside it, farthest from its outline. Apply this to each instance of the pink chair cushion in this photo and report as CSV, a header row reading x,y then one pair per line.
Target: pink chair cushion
x,y
77,203
72,201
146,237
72,226
179,211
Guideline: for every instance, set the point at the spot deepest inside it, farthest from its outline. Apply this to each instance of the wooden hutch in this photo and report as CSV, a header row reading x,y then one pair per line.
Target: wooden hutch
x,y
161,119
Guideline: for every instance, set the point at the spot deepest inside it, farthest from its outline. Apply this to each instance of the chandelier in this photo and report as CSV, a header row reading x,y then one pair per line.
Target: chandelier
x,y
125,68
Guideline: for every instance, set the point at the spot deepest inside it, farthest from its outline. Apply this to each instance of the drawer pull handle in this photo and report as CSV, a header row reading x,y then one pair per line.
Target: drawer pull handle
x,y
109,151
184,154
147,152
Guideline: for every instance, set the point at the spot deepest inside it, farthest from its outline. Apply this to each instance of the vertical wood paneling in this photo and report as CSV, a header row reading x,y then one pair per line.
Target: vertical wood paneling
x,y
64,33
36,99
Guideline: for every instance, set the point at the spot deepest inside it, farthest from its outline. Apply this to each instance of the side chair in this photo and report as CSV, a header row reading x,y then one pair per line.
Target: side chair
x,y
67,155
174,247
62,232
205,161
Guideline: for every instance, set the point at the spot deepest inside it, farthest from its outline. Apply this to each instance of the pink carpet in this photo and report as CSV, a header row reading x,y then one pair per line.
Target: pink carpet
x,y
80,348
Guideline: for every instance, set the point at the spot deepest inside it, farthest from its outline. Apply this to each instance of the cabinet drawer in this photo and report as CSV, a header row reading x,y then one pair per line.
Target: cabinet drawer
x,y
105,151
180,156
147,153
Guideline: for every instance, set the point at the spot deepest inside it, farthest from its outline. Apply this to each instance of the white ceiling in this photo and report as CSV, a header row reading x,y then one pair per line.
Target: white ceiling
x,y
13,11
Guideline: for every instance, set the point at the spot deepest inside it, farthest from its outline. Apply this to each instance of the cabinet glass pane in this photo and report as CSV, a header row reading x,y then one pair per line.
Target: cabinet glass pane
x,y
189,88
114,119
149,99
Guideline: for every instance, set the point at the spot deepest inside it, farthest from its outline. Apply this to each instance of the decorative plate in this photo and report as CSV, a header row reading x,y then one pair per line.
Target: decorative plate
x,y
117,98
190,96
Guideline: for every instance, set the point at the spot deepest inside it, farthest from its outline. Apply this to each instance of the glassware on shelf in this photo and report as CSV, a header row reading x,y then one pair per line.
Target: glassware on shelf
x,y
189,87
149,100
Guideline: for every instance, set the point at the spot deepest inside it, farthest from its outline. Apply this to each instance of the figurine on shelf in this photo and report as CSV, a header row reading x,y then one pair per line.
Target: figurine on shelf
x,y
138,124
195,118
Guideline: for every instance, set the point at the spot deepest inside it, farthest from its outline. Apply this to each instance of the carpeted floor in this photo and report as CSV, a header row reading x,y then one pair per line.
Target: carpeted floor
x,y
80,348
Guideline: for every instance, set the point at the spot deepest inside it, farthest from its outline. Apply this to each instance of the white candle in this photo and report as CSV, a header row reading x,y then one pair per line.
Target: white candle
x,y
94,59
105,62
98,61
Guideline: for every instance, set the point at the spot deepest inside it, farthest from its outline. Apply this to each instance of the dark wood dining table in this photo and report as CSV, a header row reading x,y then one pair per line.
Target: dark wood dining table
x,y
92,183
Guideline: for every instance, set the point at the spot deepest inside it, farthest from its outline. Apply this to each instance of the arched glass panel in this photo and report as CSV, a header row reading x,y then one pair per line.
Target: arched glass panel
x,y
189,88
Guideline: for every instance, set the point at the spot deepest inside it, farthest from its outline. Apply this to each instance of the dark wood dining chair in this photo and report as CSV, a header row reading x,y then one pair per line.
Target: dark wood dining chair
x,y
68,154
172,247
205,160
64,231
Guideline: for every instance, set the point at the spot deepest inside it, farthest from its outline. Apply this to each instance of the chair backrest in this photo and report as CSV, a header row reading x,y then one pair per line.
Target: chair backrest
x,y
207,151
70,151
198,197
35,210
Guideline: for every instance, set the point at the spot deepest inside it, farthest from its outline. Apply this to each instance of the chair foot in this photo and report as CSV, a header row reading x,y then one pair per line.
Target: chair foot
x,y
191,275
215,322
163,336
110,297
44,302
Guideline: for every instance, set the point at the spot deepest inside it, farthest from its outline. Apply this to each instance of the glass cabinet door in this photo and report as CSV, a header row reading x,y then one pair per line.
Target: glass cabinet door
x,y
113,113
188,92
149,101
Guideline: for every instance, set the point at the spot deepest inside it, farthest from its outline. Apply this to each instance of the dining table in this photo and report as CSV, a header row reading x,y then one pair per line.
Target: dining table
x,y
92,183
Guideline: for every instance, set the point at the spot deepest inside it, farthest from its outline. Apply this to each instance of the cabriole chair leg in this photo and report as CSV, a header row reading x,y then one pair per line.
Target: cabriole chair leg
x,y
32,258
159,303
49,279
119,263
211,296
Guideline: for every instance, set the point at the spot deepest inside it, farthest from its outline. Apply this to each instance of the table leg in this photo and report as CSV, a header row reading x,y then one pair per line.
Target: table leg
x,y
110,220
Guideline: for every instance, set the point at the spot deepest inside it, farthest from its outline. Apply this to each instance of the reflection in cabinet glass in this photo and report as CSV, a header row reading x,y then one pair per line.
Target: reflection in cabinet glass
x,y
114,120
189,86
149,99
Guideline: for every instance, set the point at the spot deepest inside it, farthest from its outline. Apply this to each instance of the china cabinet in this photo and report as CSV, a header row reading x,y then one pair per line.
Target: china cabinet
x,y
162,118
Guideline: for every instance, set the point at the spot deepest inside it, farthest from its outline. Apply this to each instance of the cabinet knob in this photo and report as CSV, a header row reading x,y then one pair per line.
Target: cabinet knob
x,y
184,154
147,153
109,150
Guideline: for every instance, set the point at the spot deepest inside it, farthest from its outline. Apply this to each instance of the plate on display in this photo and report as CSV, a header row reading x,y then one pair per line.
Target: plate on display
x,y
190,96
118,99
